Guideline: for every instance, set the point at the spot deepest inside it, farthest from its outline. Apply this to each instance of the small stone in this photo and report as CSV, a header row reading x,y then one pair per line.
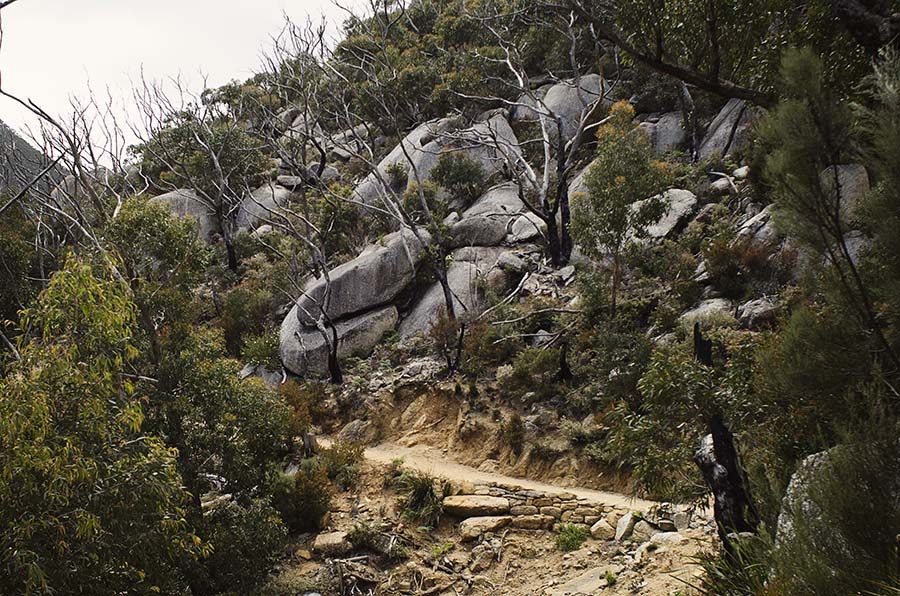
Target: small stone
x,y
474,527
533,522
625,526
682,521
331,543
741,173
667,538
642,531
603,530
722,186
554,512
524,510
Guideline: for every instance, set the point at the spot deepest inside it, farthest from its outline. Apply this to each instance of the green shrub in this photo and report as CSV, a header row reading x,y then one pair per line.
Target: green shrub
x,y
262,350
745,573
421,500
460,176
845,531
572,537
302,499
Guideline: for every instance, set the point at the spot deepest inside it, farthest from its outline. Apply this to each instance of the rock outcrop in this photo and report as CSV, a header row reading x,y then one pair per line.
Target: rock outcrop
x,y
485,143
187,203
305,353
728,131
374,278
259,205
566,100
470,272
666,132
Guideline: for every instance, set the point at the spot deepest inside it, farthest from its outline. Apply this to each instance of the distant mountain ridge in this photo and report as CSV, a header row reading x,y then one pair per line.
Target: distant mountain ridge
x,y
19,160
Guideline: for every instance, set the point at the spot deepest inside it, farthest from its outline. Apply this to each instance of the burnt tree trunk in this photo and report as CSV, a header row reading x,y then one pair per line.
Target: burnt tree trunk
x,y
718,461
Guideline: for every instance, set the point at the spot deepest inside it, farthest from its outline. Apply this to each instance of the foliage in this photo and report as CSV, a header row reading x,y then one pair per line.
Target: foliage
x,y
834,547
745,573
571,537
421,499
746,41
17,263
78,470
164,261
222,426
262,350
463,178
205,151
655,438
248,539
533,371
302,499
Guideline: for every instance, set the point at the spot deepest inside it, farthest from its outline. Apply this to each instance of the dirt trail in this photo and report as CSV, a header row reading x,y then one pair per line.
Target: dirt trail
x,y
430,460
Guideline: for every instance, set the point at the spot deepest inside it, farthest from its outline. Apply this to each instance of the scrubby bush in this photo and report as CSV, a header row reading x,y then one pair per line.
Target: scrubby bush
x,y
533,371
341,462
303,498
514,433
463,178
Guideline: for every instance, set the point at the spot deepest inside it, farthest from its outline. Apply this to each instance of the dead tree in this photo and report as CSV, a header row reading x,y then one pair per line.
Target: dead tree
x,y
544,188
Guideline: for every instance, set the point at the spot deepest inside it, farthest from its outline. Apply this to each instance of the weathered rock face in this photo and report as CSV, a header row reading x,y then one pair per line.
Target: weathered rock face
x,y
679,205
484,143
759,231
332,543
187,203
853,182
714,309
467,275
377,276
728,131
487,222
260,204
797,499
475,505
566,100
666,132
304,351
758,313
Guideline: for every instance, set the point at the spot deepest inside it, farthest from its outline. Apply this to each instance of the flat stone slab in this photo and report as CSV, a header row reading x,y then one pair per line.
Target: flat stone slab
x,y
475,505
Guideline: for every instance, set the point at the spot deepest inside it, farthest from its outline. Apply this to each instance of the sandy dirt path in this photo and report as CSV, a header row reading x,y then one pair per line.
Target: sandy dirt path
x,y
433,461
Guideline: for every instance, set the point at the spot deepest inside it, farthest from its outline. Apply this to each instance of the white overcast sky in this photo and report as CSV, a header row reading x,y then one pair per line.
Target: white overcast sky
x,y
52,48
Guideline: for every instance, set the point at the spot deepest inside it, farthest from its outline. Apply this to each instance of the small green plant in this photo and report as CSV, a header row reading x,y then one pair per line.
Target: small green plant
x,y
514,433
610,578
572,537
302,500
439,550
398,174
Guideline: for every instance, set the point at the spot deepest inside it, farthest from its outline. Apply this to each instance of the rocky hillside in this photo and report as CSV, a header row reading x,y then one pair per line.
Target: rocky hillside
x,y
488,297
